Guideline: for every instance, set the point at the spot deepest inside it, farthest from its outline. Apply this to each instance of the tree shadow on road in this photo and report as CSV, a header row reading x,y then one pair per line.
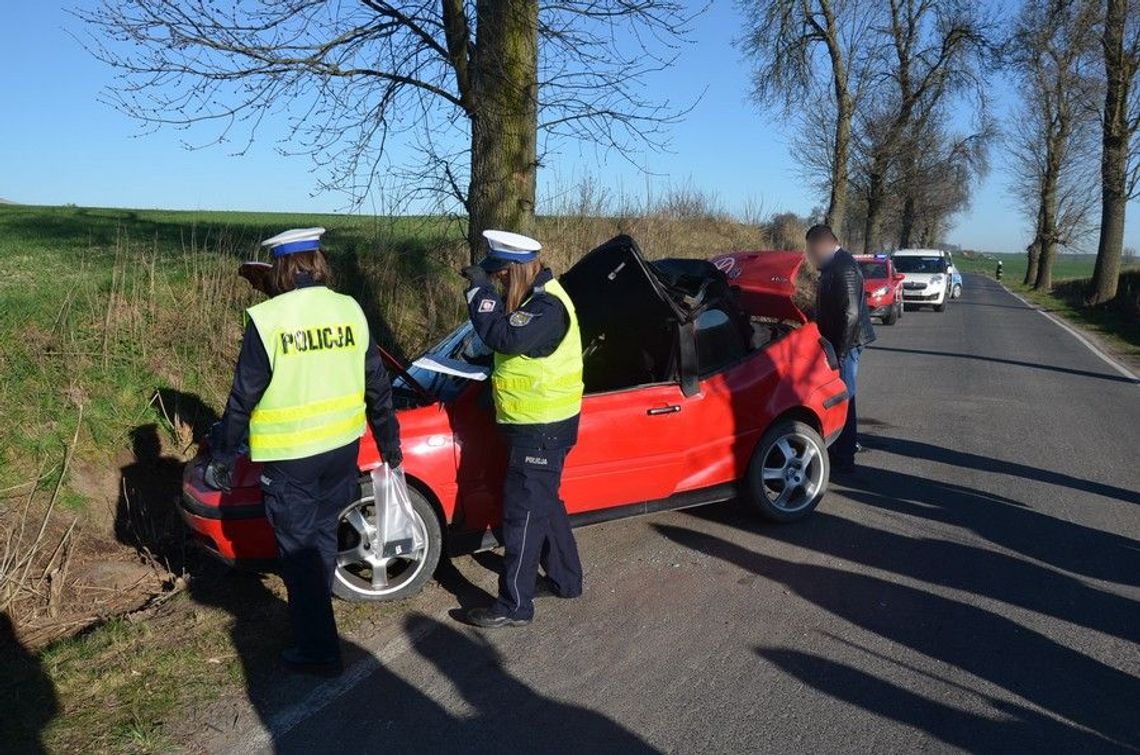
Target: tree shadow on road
x,y
964,459
980,571
1020,730
1060,680
1013,362
1066,545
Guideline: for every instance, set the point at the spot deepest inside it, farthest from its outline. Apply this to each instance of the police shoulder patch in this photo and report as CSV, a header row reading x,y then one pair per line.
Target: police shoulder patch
x,y
487,305
521,318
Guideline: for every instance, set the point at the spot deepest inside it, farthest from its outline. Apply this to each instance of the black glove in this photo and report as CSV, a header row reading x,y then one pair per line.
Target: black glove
x,y
393,456
217,475
477,275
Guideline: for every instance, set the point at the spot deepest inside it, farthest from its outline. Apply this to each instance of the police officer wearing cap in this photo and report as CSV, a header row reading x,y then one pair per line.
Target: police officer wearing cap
x,y
537,388
308,378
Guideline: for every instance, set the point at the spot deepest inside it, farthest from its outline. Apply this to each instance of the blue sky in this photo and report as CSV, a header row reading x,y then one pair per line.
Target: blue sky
x,y
60,144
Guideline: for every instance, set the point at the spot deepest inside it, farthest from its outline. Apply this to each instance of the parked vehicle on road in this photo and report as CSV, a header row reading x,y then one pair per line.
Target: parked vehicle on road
x,y
926,276
955,284
704,382
882,286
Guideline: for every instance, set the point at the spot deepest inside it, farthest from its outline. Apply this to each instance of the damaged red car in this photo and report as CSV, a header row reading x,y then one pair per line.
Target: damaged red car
x,y
704,382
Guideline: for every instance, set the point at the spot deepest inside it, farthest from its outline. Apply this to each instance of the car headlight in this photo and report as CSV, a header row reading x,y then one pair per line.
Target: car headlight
x,y
880,292
935,281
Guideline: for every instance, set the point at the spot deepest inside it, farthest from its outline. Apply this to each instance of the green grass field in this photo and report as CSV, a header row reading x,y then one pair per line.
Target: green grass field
x,y
102,308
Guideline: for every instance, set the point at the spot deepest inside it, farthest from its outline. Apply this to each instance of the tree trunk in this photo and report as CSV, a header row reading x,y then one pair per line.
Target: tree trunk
x,y
504,121
875,191
906,223
1047,240
1032,256
1114,157
837,202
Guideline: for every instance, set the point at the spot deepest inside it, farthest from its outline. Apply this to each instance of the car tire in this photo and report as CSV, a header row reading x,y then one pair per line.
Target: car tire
x,y
957,293
940,307
778,468
355,578
893,316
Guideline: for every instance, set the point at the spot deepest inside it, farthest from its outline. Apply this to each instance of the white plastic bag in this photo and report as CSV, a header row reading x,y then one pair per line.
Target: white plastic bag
x,y
398,531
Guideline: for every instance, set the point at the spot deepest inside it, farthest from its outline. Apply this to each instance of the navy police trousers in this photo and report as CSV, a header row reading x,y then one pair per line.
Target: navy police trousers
x,y
303,501
536,531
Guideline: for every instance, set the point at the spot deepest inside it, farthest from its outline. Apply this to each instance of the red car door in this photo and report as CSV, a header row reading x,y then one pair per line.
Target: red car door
x,y
630,448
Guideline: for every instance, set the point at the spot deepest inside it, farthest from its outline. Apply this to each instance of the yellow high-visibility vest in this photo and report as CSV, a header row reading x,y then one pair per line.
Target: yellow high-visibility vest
x,y
316,340
541,390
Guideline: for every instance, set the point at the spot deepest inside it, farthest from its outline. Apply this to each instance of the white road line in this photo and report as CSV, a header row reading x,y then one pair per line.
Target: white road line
x,y
284,721
1077,335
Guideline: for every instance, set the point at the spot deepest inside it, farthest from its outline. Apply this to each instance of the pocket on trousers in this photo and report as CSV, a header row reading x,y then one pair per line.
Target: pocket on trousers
x,y
273,493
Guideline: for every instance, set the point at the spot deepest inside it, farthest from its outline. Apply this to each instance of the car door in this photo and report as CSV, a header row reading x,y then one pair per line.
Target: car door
x,y
630,448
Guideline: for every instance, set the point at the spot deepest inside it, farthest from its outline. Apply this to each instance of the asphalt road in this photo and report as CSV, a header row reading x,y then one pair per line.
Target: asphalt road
x,y
977,589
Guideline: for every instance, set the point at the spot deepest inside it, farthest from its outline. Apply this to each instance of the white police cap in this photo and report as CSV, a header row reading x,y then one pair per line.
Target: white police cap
x,y
504,247
295,240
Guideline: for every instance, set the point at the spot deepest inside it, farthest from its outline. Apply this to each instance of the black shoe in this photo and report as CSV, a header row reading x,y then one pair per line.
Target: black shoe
x,y
488,619
299,663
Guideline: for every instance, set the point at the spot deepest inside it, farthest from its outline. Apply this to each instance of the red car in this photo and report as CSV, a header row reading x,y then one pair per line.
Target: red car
x,y
882,286
704,382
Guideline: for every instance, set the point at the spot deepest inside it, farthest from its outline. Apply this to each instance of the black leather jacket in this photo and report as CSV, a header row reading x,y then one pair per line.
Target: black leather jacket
x,y
840,306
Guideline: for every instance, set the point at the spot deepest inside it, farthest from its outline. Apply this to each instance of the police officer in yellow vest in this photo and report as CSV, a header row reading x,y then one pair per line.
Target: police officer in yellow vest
x,y
537,388
308,378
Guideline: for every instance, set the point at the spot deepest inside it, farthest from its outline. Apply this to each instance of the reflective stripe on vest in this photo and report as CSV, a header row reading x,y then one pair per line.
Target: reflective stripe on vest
x,y
531,390
316,340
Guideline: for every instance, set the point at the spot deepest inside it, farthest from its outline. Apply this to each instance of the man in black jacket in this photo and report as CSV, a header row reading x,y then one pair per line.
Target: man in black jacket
x,y
843,319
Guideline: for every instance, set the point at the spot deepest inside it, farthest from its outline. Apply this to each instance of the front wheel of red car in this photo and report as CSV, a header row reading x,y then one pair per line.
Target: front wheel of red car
x,y
362,574
788,473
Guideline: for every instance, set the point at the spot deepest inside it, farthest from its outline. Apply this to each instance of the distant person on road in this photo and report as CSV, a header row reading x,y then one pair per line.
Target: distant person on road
x,y
308,379
844,320
537,388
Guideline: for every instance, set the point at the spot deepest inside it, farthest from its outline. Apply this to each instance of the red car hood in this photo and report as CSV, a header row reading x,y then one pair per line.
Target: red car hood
x,y
767,281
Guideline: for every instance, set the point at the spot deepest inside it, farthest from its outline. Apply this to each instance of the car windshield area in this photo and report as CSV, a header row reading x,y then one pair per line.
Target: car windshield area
x,y
462,344
874,270
909,264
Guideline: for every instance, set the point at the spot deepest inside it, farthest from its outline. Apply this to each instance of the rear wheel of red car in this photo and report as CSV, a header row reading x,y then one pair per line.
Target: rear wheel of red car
x,y
362,574
788,473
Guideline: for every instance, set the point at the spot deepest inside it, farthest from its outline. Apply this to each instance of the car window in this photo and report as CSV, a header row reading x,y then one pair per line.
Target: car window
x,y
463,344
719,341
874,270
915,264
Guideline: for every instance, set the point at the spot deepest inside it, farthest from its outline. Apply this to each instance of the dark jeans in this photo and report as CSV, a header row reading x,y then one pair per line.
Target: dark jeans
x,y
843,450
536,531
303,501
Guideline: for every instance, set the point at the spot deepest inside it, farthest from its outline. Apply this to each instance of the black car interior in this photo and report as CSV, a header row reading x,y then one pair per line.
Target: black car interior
x,y
644,323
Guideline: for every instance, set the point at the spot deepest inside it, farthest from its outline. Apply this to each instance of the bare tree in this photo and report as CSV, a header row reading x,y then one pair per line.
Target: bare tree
x,y
1120,43
936,171
813,55
937,52
469,84
1051,49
